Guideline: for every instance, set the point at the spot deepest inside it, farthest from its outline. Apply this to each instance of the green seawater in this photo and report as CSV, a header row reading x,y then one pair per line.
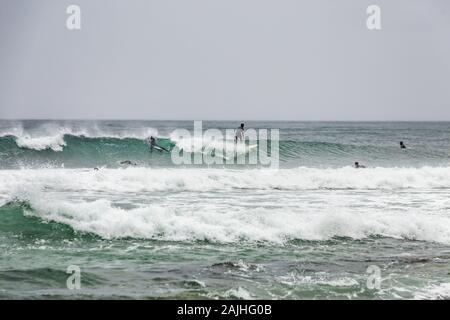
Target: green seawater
x,y
314,229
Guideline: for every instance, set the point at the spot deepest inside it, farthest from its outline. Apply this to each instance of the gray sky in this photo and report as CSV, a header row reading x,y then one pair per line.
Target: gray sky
x,y
225,59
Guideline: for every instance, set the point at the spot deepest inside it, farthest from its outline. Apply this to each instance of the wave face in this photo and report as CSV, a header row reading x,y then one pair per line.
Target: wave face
x,y
36,144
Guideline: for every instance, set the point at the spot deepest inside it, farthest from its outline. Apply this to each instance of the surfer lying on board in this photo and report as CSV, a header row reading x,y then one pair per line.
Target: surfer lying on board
x,y
239,134
154,145
128,162
359,166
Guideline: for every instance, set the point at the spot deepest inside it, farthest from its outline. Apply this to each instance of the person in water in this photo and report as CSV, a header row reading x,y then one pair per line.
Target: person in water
x,y
128,162
239,134
153,144
359,166
402,145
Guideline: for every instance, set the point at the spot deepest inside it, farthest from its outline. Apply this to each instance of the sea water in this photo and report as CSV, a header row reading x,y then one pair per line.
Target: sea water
x,y
316,228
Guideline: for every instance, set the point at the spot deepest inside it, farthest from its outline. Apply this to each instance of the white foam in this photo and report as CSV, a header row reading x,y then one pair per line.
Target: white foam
x,y
223,205
319,278
51,136
234,293
434,292
56,142
101,217
148,179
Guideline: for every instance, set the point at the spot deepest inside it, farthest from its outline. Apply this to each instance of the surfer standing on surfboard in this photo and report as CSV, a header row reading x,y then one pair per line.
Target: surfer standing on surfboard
x,y
239,134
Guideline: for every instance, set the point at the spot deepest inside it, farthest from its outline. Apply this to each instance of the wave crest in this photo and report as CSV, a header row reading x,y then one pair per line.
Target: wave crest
x,y
276,226
53,137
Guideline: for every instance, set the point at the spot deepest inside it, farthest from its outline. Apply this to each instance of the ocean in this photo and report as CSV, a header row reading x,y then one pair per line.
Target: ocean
x,y
313,228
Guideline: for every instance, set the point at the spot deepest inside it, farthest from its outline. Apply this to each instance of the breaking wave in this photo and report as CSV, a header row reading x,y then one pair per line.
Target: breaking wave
x,y
97,212
277,226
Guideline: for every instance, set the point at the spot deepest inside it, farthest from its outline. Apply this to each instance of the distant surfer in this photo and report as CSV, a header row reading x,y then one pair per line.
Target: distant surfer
x,y
239,134
154,145
402,145
128,162
359,166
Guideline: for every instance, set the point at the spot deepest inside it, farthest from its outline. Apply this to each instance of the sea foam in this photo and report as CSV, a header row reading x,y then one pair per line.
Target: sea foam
x,y
51,136
258,224
174,179
318,204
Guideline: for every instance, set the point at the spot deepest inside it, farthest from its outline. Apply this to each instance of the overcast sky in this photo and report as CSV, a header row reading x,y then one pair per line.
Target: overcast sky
x,y
225,59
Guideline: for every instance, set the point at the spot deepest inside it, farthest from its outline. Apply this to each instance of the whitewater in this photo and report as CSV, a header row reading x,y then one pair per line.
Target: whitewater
x,y
94,201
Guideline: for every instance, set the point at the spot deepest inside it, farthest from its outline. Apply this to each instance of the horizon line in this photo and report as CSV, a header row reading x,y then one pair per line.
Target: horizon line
x,y
224,120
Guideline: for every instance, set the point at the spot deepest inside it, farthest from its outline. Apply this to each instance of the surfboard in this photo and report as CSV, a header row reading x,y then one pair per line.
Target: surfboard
x,y
214,154
158,148
252,147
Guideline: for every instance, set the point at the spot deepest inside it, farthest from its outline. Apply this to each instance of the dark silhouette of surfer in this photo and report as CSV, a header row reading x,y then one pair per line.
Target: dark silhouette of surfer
x,y
153,144
239,134
359,166
128,162
402,145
